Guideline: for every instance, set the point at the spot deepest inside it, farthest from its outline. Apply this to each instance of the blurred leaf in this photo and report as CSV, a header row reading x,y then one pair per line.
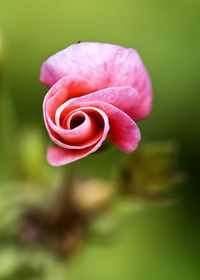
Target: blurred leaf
x,y
150,171
32,159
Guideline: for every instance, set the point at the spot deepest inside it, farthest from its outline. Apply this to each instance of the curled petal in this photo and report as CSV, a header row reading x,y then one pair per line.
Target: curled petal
x,y
124,98
123,130
66,88
84,135
57,156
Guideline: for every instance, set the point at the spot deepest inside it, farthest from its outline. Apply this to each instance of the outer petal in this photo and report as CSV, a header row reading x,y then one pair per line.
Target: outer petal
x,y
105,65
66,88
57,156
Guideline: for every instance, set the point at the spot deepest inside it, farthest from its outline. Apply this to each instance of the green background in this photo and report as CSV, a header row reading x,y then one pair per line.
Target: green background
x,y
161,243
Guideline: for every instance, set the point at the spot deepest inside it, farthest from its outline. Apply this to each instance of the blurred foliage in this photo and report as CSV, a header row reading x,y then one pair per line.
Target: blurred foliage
x,y
31,153
47,225
151,173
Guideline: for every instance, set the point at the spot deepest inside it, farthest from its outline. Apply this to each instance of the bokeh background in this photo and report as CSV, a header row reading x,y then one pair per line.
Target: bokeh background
x,y
161,243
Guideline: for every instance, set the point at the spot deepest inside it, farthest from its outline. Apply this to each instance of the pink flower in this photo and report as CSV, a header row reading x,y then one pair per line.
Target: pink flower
x,y
96,90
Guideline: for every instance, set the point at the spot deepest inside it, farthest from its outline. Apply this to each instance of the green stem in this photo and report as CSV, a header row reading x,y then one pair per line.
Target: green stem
x,y
64,195
8,137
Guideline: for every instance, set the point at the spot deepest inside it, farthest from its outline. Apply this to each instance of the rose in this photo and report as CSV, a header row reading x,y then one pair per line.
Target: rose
x,y
96,90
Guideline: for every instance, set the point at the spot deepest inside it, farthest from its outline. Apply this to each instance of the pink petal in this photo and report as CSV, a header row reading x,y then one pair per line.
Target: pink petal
x,y
66,88
123,130
104,65
82,136
124,98
57,156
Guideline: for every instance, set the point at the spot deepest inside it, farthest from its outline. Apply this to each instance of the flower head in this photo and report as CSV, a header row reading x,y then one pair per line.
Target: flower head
x,y
96,90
